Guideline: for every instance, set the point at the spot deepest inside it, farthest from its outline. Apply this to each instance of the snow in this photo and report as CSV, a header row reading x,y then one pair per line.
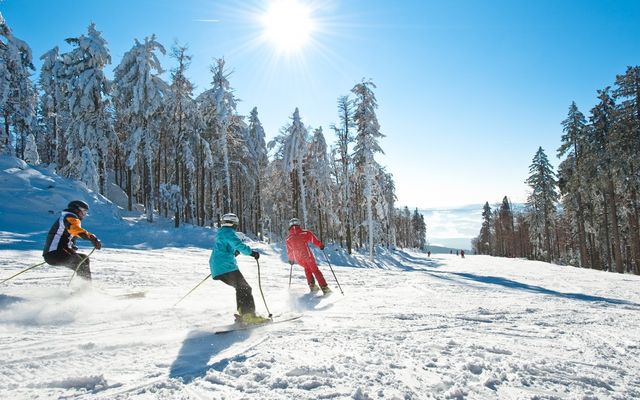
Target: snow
x,y
407,326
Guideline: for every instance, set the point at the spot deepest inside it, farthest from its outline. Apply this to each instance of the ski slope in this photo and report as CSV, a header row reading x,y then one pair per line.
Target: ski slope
x,y
407,326
445,327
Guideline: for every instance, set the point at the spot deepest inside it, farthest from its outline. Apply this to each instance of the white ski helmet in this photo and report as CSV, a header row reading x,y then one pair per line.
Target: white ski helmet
x,y
294,221
230,220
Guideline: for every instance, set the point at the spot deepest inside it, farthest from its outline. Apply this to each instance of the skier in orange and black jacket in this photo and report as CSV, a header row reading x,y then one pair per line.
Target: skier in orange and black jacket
x,y
60,247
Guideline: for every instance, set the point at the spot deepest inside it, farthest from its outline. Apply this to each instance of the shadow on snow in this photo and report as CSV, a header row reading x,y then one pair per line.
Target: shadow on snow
x,y
6,301
509,283
198,349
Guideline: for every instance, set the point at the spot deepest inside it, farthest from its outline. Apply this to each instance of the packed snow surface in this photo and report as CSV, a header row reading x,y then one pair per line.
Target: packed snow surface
x,y
444,327
407,327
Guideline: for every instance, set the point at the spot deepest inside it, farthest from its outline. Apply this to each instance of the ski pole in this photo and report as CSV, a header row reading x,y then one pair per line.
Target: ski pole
x,y
207,277
334,274
290,273
23,271
79,264
261,293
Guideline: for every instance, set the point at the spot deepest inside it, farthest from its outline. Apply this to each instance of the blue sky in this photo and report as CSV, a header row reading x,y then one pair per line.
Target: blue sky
x,y
467,90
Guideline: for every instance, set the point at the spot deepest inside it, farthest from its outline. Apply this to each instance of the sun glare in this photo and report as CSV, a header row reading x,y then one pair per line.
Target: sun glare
x,y
287,24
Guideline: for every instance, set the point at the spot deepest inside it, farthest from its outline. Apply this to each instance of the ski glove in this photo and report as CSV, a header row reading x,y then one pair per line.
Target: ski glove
x,y
236,253
96,243
291,262
255,254
322,246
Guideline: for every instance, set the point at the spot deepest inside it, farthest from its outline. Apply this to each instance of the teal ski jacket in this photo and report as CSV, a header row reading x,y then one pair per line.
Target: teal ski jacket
x,y
222,259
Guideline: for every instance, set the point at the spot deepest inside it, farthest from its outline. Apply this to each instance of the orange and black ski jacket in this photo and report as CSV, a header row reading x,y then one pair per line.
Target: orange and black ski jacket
x,y
64,232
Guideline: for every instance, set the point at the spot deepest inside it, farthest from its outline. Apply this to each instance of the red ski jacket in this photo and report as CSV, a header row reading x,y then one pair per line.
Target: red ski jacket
x,y
297,244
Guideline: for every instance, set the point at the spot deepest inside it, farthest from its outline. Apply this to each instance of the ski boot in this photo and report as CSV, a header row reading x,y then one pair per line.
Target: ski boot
x,y
326,290
313,288
251,319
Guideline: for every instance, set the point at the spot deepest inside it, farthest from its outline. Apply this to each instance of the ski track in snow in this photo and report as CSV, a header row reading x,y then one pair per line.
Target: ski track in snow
x,y
414,328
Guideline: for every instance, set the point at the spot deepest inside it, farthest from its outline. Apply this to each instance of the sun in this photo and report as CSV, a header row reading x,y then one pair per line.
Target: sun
x,y
287,24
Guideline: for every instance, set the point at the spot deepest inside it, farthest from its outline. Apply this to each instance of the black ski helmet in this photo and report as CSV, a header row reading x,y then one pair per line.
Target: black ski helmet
x,y
76,205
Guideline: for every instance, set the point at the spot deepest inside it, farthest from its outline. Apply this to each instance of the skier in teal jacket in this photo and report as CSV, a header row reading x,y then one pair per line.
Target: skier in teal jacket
x,y
224,267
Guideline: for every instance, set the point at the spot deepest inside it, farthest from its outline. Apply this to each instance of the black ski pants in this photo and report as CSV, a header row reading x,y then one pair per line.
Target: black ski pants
x,y
244,298
70,260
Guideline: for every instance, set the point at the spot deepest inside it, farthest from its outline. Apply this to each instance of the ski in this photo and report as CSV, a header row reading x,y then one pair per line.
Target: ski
x,y
125,295
241,327
131,295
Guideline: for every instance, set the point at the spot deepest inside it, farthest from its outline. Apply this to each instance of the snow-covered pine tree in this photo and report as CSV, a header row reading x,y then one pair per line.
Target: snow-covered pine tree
x,y
87,168
485,237
218,107
90,131
138,99
54,106
571,175
368,134
276,199
344,175
294,146
17,94
603,148
420,229
541,204
504,230
184,126
258,149
319,182
627,93
388,190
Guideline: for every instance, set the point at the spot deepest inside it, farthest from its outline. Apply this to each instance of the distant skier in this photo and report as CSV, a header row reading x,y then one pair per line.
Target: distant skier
x,y
428,253
224,268
298,252
60,246
462,253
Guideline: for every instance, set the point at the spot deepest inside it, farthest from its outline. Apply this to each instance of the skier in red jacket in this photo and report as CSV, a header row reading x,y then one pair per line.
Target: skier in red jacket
x,y
298,252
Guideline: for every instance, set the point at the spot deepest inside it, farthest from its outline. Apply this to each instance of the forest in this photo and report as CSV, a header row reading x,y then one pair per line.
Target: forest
x,y
193,157
587,213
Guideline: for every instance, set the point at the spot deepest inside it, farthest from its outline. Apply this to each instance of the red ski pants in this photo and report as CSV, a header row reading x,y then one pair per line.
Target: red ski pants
x,y
311,270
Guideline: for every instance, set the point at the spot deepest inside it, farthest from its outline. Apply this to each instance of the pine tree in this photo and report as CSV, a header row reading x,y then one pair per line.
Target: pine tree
x,y
319,182
571,173
420,229
368,134
17,94
343,133
603,148
504,230
293,148
485,239
627,91
258,150
90,134
138,97
53,106
541,203
185,124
